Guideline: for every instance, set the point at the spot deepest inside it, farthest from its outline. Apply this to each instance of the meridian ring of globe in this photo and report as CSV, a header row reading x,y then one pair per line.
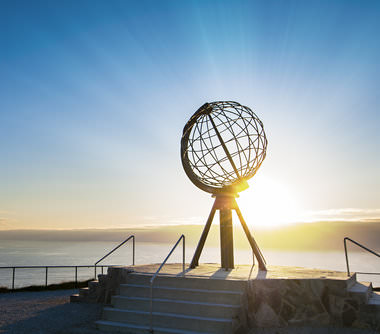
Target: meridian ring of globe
x,y
243,136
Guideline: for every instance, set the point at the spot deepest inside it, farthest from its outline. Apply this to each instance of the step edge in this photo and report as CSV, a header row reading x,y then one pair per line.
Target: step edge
x,y
132,325
174,315
180,301
228,292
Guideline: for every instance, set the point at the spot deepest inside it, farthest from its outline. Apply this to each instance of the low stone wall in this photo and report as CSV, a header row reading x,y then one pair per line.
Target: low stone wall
x,y
303,302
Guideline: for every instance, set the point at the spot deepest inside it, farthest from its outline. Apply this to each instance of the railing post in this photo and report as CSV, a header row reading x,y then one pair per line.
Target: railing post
x,y
345,252
183,255
133,245
46,276
13,278
95,272
76,276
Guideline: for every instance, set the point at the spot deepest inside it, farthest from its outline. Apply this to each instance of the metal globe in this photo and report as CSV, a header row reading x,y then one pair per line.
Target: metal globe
x,y
222,146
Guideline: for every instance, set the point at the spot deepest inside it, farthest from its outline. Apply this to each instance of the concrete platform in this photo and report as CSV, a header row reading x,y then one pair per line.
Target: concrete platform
x,y
241,272
209,299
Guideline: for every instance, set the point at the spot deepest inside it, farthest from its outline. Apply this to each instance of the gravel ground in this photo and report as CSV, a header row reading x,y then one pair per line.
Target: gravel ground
x,y
51,312
46,312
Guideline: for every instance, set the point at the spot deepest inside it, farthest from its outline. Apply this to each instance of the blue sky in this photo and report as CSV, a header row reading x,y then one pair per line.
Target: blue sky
x,y
94,96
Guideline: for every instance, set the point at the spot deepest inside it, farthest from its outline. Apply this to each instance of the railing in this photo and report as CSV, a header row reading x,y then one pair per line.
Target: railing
x,y
118,246
361,246
95,266
182,237
47,270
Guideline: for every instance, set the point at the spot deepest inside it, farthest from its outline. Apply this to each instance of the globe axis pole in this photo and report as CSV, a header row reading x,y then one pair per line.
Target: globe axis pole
x,y
225,203
226,233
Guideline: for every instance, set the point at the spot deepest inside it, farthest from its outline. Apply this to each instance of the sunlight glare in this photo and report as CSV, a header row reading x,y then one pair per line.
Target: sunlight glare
x,y
267,203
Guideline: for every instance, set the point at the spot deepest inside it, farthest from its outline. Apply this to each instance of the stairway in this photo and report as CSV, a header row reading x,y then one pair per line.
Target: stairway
x,y
363,293
89,294
183,305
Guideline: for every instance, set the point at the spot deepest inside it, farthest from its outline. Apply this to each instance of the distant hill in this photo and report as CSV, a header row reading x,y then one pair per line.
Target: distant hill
x,y
300,236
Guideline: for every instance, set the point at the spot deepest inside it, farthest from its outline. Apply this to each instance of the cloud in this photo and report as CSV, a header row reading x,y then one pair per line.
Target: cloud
x,y
345,214
3,223
5,220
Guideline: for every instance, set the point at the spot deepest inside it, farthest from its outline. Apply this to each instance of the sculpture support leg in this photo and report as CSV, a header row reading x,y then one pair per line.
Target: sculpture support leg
x,y
226,239
201,243
252,242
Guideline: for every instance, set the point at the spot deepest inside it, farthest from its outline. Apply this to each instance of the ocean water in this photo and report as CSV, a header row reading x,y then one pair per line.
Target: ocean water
x,y
45,253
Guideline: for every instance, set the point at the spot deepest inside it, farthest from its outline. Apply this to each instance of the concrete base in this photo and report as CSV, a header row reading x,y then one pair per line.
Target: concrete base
x,y
237,300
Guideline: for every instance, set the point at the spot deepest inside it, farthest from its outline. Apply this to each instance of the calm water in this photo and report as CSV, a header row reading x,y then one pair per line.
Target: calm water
x,y
27,253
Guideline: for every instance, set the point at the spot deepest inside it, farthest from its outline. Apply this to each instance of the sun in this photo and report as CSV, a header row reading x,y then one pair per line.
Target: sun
x,y
268,203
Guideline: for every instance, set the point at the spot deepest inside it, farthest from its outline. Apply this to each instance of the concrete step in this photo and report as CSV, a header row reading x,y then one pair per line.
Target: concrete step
x,y
187,282
196,295
113,326
175,306
93,284
84,291
361,291
374,298
351,281
76,298
169,320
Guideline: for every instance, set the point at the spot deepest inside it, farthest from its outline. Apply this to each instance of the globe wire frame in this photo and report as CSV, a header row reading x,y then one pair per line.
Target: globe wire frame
x,y
214,177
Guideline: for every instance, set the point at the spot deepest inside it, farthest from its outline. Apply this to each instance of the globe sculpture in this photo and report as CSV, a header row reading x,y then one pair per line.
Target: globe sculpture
x,y
222,146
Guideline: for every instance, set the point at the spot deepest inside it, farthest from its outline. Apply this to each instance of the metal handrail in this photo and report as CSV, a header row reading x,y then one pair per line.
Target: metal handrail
x,y
118,246
182,237
46,270
361,246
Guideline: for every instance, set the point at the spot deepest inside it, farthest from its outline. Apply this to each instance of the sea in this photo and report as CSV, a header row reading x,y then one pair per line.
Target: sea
x,y
69,253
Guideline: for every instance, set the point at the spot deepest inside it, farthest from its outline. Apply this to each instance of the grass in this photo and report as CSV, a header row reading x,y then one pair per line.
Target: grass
x,y
50,287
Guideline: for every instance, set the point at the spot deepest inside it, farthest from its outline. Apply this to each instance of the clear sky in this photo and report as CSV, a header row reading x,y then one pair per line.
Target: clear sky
x,y
94,96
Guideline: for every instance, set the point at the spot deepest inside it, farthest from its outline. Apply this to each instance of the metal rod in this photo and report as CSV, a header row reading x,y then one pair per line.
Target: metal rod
x,y
202,240
134,248
255,248
182,237
13,268
183,256
224,147
13,278
76,276
43,267
118,246
359,245
345,252
359,272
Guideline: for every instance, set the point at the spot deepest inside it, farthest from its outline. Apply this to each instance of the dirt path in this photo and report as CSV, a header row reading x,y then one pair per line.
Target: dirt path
x,y
46,312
